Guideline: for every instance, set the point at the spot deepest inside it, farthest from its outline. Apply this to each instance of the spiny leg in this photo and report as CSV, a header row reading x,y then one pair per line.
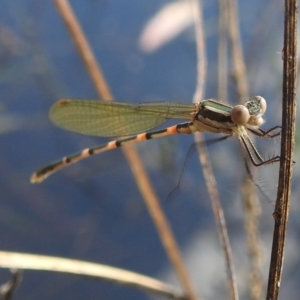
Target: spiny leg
x,y
246,150
248,145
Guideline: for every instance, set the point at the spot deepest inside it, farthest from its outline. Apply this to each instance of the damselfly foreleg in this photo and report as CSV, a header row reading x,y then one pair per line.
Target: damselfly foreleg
x,y
262,133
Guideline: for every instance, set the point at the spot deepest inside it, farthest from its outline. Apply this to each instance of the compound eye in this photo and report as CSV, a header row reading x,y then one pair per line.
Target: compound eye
x,y
262,104
240,115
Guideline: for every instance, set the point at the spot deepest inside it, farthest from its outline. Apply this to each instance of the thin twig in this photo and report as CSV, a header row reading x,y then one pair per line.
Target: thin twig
x,y
222,51
239,67
250,200
204,157
252,211
281,212
134,160
8,289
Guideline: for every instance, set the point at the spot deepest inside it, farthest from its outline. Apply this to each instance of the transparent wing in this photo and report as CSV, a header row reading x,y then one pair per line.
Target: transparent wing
x,y
110,119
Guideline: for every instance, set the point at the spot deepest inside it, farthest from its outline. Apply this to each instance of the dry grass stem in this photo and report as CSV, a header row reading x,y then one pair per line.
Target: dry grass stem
x,y
87,269
141,178
239,67
223,51
7,290
250,200
281,212
204,157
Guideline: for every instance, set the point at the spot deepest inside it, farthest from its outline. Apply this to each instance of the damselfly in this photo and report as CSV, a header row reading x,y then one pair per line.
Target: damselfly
x,y
111,119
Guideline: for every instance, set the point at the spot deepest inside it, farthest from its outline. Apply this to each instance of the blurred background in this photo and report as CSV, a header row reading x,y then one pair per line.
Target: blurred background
x,y
93,210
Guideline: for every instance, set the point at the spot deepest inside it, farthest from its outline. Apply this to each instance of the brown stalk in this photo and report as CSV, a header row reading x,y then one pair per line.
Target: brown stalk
x,y
222,51
250,200
141,178
8,289
239,67
281,212
204,156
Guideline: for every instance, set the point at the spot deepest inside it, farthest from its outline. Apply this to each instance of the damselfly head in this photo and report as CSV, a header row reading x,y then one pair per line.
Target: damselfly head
x,y
257,106
262,103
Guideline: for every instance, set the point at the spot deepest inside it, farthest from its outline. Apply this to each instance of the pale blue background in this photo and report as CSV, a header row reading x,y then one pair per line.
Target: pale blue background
x,y
93,210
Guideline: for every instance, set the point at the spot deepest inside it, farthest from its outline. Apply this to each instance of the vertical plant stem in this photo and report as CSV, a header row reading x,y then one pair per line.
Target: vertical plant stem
x,y
239,67
250,200
223,51
281,212
141,178
204,156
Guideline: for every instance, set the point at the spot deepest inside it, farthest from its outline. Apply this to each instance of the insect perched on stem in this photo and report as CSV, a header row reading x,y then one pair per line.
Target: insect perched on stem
x,y
112,119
